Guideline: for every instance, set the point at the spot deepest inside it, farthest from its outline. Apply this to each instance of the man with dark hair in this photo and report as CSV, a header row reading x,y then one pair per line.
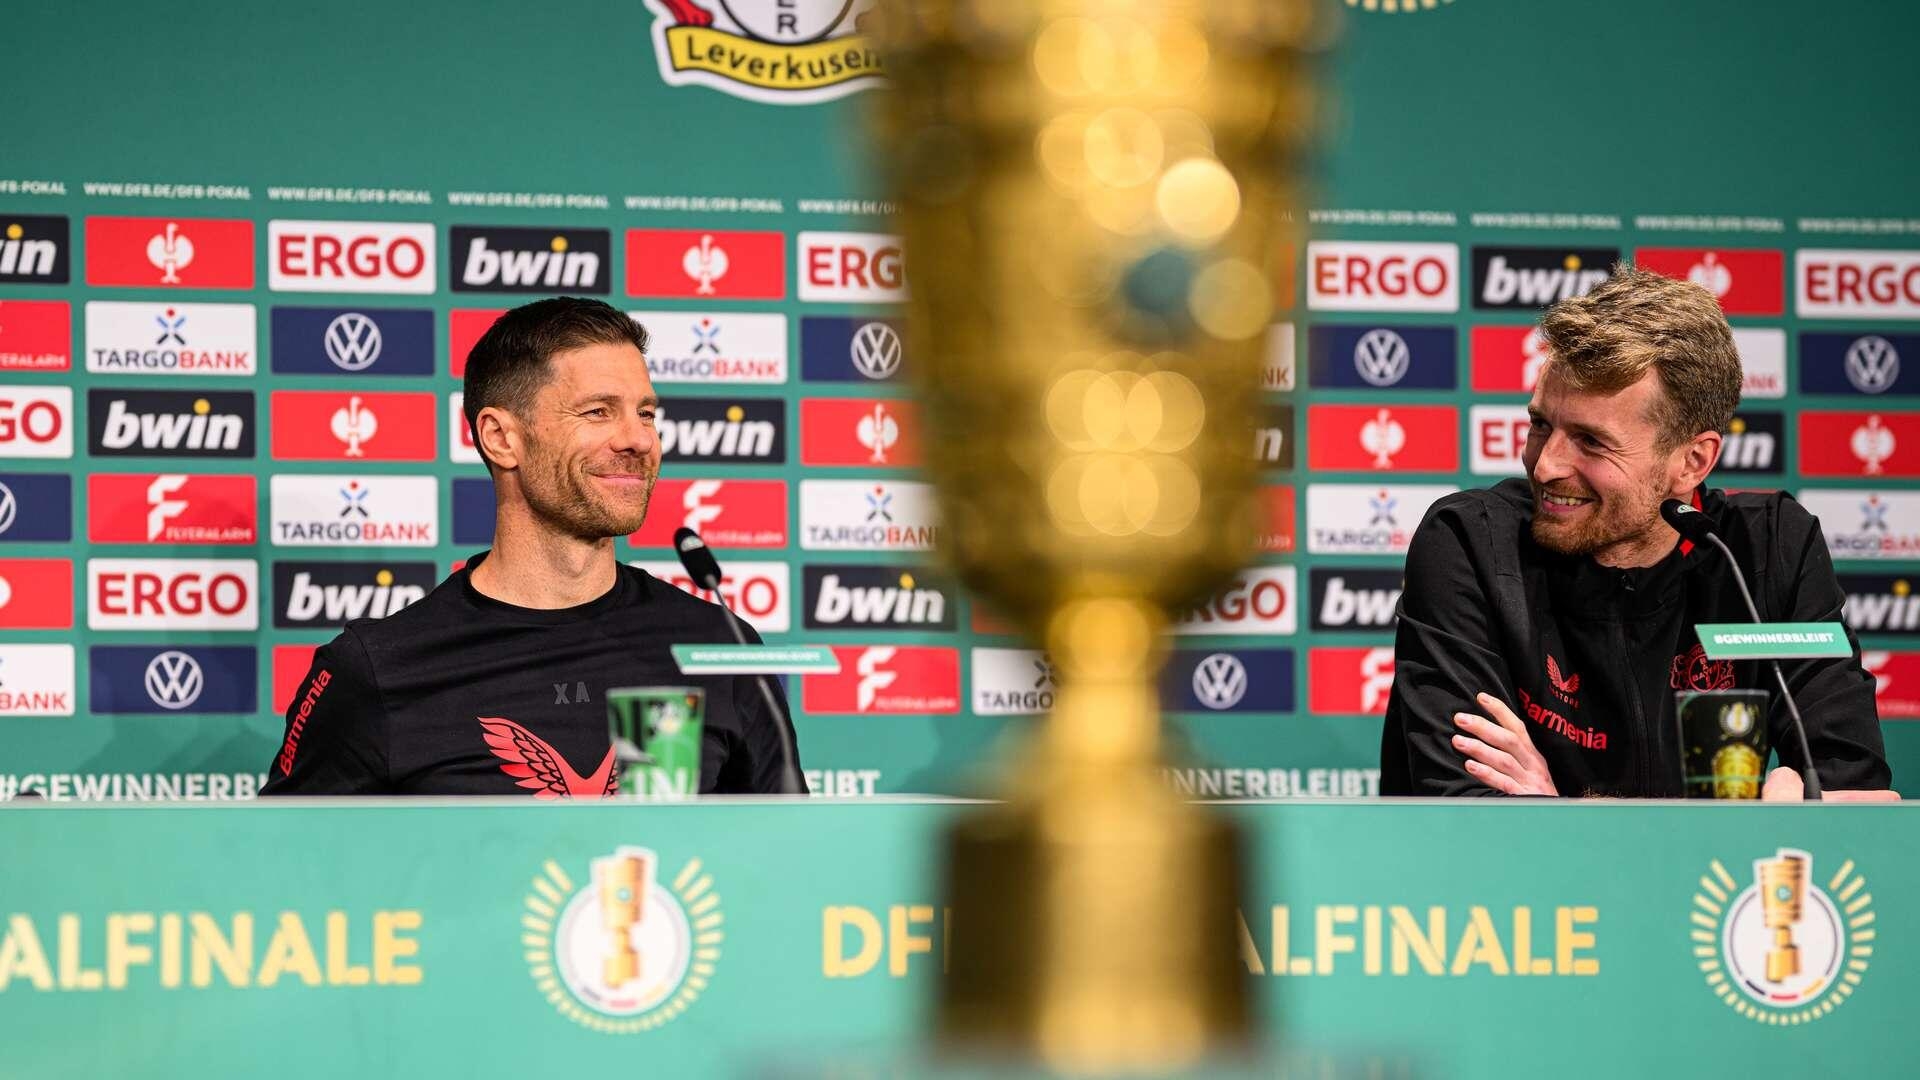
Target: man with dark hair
x,y
495,683
1546,623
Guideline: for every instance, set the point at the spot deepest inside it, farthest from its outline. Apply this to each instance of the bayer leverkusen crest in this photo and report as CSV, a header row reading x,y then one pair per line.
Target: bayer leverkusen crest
x,y
777,52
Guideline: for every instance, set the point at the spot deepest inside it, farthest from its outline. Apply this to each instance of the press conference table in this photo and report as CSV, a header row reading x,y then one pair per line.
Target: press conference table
x,y
471,938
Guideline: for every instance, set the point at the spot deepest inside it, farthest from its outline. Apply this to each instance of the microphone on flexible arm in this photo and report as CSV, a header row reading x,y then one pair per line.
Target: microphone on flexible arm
x,y
696,558
1698,527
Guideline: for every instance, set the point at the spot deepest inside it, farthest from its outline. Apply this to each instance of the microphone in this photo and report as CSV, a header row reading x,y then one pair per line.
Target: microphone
x,y
696,558
1698,527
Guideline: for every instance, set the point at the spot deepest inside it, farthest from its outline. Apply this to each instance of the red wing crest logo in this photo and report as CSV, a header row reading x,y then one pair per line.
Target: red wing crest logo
x,y
1564,686
1693,671
535,764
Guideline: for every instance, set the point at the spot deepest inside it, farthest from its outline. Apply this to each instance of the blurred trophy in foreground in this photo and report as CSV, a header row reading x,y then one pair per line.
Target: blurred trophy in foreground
x,y
1092,196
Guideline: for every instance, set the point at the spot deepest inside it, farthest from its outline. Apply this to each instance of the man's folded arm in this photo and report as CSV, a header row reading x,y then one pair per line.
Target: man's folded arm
x,y
335,741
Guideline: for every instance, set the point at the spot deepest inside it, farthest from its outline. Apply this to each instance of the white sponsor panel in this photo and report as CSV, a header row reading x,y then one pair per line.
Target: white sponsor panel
x,y
350,257
36,680
1499,438
172,339
1278,374
849,267
173,594
867,515
460,437
354,511
756,591
1367,519
1261,600
36,422
1377,275
1843,284
714,346
1862,524
1763,361
1011,682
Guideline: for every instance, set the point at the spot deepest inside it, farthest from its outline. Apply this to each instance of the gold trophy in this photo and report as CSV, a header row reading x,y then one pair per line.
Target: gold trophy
x,y
1783,890
623,881
1093,197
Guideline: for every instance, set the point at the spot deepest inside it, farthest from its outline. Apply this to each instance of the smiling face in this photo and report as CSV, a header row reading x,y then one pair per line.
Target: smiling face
x,y
1599,472
588,452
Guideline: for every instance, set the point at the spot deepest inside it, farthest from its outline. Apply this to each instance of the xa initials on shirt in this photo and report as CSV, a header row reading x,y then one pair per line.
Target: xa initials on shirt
x,y
577,696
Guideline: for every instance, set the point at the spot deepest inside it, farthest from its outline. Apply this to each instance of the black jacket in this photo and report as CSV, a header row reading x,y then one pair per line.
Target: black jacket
x,y
1590,656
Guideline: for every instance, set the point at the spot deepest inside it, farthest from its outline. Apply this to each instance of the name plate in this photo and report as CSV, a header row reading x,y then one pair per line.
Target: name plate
x,y
755,659
1773,641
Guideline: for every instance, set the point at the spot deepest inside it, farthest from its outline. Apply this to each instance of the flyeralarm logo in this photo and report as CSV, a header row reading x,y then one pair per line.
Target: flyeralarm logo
x,y
36,508
1882,604
35,335
898,680
845,267
184,253
878,597
171,339
33,249
727,431
324,425
352,341
1859,443
350,257
1857,284
858,515
354,511
756,591
547,261
715,347
1746,281
1358,519
703,264
1354,598
727,513
36,680
1896,682
1372,275
838,348
859,432
172,594
36,422
171,508
1277,536
1497,439
331,593
1862,524
1347,681
1401,438
36,594
170,423
1259,600
1530,278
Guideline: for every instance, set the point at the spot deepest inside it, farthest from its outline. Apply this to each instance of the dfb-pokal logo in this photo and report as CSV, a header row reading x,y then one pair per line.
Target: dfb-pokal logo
x,y
1788,945
775,52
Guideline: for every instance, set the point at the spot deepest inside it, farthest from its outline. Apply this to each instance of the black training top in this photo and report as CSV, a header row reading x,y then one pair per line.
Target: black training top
x,y
460,694
1589,657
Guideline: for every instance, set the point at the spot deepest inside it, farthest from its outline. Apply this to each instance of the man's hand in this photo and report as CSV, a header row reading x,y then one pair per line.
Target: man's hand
x,y
1785,785
1499,752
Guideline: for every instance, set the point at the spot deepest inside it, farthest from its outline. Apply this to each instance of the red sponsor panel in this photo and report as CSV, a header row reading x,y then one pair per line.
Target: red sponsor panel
x,y
1747,281
184,253
465,328
172,508
1286,276
36,594
36,335
1399,438
1278,535
871,432
706,264
328,425
726,513
1349,680
1853,443
894,680
290,664
1506,359
1896,682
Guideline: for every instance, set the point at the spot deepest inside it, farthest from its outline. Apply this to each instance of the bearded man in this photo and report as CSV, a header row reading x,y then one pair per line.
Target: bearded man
x,y
495,682
1547,622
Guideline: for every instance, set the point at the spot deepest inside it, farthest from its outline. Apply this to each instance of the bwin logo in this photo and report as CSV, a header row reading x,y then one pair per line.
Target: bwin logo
x,y
1270,445
174,680
1343,606
736,436
1220,681
556,267
307,601
1896,610
1872,364
1381,357
904,605
200,429
1538,286
1746,449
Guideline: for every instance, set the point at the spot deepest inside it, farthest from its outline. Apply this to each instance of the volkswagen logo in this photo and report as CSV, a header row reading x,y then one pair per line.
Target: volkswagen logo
x,y
1381,357
876,350
9,508
1220,681
174,680
1872,364
353,341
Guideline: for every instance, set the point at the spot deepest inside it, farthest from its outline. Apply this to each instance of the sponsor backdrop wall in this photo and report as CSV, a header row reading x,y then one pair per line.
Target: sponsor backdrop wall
x,y
243,255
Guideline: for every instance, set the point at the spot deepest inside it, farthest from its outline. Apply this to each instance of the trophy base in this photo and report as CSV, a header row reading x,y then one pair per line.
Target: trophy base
x,y
1094,927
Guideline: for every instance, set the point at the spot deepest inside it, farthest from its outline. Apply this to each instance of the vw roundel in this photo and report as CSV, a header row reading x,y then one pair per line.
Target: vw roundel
x,y
173,679
352,341
1228,680
1381,357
